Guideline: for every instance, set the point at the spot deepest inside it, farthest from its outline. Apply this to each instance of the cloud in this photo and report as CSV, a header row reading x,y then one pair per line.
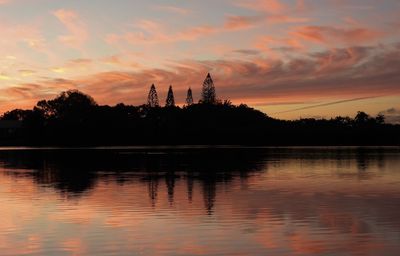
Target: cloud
x,y
326,104
26,72
269,43
286,19
334,35
366,75
392,115
156,32
120,61
274,11
151,32
4,76
250,52
78,33
173,9
81,61
80,64
270,6
28,34
241,22
336,74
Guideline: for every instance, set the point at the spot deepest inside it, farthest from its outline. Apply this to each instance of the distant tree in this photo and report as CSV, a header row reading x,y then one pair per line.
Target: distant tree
x,y
189,97
69,102
340,120
208,95
362,118
170,102
152,99
380,119
227,103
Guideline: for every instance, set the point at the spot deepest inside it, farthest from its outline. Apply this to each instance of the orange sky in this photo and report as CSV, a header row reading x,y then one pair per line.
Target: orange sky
x,y
288,58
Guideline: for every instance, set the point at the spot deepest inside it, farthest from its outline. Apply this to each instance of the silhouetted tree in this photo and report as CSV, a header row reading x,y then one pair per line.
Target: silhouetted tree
x,y
342,121
189,97
208,95
16,115
72,102
152,99
362,118
170,102
380,119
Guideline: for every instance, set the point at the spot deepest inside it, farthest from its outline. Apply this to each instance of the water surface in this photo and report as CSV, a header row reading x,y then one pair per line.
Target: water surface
x,y
196,201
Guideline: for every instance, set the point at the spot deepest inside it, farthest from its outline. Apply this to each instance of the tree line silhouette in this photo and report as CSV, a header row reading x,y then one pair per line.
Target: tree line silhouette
x,y
75,119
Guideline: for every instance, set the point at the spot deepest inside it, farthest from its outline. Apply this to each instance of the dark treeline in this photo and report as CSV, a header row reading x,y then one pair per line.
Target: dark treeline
x,y
74,119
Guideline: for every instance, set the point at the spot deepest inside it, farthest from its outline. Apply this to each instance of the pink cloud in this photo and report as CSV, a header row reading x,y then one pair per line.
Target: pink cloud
x,y
241,22
286,19
334,35
173,9
338,73
270,6
78,33
275,11
28,34
153,32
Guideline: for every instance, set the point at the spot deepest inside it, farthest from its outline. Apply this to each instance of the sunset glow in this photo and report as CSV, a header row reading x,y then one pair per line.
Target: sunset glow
x,y
288,58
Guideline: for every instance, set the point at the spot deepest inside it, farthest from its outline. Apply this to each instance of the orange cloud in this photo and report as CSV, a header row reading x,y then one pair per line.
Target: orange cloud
x,y
286,19
275,11
26,72
28,34
270,43
334,35
154,32
240,22
75,26
334,74
339,72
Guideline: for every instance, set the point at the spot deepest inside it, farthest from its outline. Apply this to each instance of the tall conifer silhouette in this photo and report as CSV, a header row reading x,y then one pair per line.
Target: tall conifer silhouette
x,y
152,100
170,102
208,94
189,97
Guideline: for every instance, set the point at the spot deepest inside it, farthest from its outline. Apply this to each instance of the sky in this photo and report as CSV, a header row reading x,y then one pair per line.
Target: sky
x,y
288,58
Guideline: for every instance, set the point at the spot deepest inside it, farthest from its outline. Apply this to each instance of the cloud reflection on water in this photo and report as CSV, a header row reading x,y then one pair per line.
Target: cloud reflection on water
x,y
177,202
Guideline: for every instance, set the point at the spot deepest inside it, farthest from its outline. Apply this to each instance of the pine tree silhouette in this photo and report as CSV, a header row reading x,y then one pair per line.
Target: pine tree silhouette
x,y
189,97
208,94
170,102
152,100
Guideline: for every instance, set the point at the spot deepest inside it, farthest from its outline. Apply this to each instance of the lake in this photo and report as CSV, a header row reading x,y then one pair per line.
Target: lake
x,y
200,201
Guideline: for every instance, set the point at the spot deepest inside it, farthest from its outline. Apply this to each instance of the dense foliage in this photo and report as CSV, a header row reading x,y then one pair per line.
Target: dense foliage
x,y
75,119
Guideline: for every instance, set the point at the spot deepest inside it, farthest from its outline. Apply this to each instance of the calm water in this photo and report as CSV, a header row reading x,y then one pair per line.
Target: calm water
x,y
287,201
